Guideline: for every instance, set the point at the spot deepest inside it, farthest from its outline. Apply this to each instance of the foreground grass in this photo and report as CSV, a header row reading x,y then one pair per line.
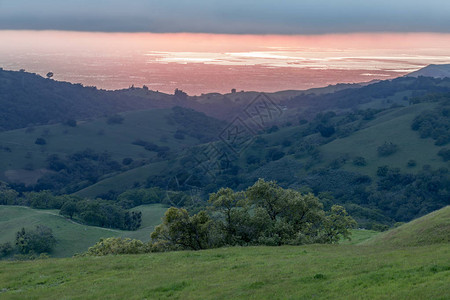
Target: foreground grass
x,y
288,272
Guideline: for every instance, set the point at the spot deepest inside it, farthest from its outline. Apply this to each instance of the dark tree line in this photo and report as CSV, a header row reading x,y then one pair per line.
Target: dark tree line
x,y
102,213
96,212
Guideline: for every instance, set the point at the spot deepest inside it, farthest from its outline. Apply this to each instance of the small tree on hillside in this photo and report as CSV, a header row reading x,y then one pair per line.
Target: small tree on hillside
x,y
40,141
69,208
181,231
387,149
39,240
179,94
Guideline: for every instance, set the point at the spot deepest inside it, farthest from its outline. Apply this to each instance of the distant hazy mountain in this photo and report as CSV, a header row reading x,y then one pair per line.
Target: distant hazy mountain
x,y
436,71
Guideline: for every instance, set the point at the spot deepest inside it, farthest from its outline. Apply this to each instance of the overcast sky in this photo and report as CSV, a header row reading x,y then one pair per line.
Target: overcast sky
x,y
228,16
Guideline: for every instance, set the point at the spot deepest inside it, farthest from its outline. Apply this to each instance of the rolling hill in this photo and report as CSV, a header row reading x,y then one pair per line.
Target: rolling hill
x,y
436,71
22,160
356,271
430,229
379,149
28,99
329,141
346,164
72,237
390,126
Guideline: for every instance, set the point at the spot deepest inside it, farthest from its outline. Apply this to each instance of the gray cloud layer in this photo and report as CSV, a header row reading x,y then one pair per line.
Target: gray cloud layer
x,y
230,16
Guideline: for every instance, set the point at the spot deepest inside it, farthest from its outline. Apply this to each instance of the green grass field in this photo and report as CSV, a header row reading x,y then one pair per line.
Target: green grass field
x,y
72,237
305,272
151,217
376,268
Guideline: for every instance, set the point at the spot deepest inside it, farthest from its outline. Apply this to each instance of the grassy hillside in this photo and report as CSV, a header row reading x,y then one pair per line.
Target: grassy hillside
x,y
315,271
330,145
297,166
72,237
378,268
124,181
151,217
433,228
23,160
393,126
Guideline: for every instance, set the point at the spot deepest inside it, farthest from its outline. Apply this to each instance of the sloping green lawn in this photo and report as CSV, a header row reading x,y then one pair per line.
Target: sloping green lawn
x,y
71,237
289,272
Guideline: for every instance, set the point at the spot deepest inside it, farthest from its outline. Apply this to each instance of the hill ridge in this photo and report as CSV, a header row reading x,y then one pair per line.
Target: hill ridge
x,y
433,228
432,70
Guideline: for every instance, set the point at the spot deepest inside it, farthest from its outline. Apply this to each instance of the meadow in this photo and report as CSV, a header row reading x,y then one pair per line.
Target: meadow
x,y
72,237
370,267
288,272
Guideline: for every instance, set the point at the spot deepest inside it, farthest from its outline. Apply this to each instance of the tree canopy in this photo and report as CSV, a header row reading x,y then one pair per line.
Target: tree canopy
x,y
265,214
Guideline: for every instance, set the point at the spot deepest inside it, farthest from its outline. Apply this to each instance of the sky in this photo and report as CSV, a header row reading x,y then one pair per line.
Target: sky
x,y
231,16
204,46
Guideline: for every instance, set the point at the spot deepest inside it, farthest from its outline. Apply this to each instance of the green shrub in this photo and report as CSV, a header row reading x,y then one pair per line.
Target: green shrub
x,y
115,246
127,161
379,227
360,161
434,124
39,240
411,163
40,141
6,249
382,171
445,154
387,149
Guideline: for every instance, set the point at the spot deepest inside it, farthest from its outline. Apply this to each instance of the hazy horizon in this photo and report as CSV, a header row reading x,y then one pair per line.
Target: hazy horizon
x,y
203,63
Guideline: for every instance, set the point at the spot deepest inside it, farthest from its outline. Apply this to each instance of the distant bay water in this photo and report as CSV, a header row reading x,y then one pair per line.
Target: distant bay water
x,y
204,63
